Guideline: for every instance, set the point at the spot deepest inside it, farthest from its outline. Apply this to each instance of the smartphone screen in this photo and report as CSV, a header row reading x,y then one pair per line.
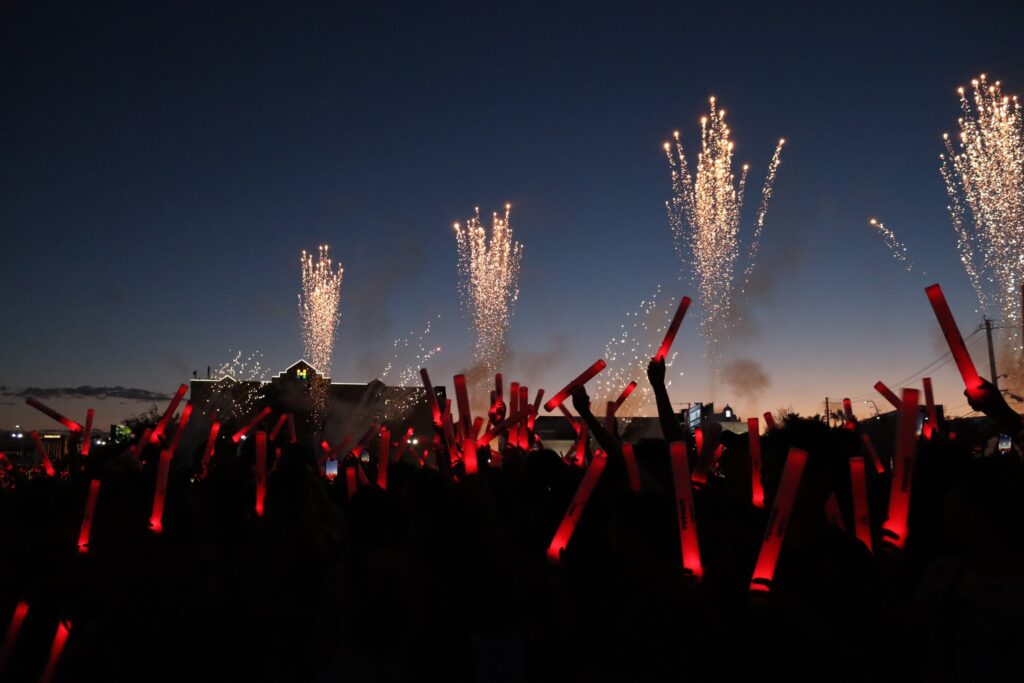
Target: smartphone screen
x,y
331,469
1005,443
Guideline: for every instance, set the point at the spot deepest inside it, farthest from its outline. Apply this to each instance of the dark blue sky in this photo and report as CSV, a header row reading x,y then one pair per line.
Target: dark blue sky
x,y
163,164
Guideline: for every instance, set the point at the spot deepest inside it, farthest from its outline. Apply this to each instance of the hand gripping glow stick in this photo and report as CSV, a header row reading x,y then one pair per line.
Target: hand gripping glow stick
x,y
277,427
186,413
50,412
469,455
211,441
582,379
859,489
38,443
887,394
623,396
778,521
435,409
956,343
673,328
497,429
929,400
261,471
684,510
17,619
161,426
632,471
754,443
895,526
59,639
237,436
383,457
156,516
87,437
462,396
90,508
575,509
769,421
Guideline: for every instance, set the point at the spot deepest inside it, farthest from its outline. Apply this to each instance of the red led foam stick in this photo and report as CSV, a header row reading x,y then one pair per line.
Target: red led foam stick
x,y
211,441
186,413
493,432
435,409
684,509
570,417
956,343
161,426
886,393
90,508
87,437
673,328
623,396
769,421
929,400
754,443
38,443
261,471
851,422
778,521
17,619
575,509
895,526
583,378
59,639
156,516
351,485
403,446
632,471
462,397
291,428
50,412
278,426
513,407
698,439
140,445
859,489
237,436
469,455
522,434
869,446
581,444
383,457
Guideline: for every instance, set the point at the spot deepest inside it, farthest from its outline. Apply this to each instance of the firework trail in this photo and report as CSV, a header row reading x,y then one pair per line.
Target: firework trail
x,y
231,401
489,285
984,177
898,249
398,405
704,215
319,316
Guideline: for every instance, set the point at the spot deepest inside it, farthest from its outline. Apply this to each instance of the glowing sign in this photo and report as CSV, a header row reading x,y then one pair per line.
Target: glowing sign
x,y
301,373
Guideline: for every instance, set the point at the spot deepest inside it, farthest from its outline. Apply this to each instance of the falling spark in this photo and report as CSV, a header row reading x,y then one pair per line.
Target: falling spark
x,y
704,215
398,405
898,249
984,177
318,312
238,399
489,284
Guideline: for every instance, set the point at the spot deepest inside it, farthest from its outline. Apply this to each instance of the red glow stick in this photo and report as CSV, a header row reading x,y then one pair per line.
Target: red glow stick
x,y
237,436
435,409
291,428
673,328
769,421
833,513
478,422
929,400
895,526
956,343
351,486
698,438
859,488
59,639
887,394
513,407
186,413
582,379
754,442
361,474
462,397
261,471
684,509
90,508
140,445
403,446
498,386
623,396
210,443
522,433
497,429
575,509
469,455
581,444
869,446
383,457
161,426
570,417
17,619
632,471
778,521
277,426
47,465
156,517
851,422
50,412
533,413
87,437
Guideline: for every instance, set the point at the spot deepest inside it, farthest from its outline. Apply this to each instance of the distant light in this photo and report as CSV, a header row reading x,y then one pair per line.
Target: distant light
x,y
244,437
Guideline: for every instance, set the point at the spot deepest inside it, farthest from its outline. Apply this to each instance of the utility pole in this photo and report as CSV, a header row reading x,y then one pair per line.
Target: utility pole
x,y
991,354
828,413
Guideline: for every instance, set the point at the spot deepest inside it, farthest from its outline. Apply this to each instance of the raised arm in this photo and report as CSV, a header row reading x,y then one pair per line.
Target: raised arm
x,y
608,443
670,428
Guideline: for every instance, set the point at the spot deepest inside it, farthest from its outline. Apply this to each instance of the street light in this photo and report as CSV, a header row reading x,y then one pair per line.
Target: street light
x,y
873,406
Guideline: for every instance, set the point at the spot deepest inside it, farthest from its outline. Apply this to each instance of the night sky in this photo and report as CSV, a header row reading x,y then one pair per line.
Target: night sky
x,y
163,164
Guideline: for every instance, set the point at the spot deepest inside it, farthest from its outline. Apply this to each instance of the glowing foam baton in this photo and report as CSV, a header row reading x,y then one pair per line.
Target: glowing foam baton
x,y
140,445
277,427
383,457
929,400
186,413
513,407
869,446
769,421
851,421
497,429
59,639
632,471
261,471
478,423
859,489
161,426
684,509
17,619
895,526
211,441
90,508
47,465
351,486
887,394
778,521
469,455
570,417
623,396
462,397
582,379
237,436
435,409
754,443
673,328
156,516
956,343
575,509
522,434
50,412
581,444
698,439
87,437
403,446
533,413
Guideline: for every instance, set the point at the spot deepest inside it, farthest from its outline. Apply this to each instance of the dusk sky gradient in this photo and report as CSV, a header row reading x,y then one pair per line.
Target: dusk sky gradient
x,y
163,164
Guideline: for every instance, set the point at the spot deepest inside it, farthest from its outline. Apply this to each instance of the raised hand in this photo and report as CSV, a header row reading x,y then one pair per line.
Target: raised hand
x,y
656,372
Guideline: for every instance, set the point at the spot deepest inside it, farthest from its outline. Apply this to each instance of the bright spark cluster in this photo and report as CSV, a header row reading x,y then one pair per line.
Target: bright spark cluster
x,y
489,284
897,248
984,175
319,314
422,353
704,215
247,371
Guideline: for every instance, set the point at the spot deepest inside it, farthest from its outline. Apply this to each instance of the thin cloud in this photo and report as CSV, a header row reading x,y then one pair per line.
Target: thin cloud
x,y
86,391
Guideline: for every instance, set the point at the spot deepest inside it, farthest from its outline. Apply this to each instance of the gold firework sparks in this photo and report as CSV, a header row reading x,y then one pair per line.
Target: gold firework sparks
x,y
399,404
489,284
247,371
984,176
318,313
704,215
898,249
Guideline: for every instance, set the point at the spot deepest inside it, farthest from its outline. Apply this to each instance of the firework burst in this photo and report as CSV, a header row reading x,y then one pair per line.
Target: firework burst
x,y
489,284
704,215
318,313
897,248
